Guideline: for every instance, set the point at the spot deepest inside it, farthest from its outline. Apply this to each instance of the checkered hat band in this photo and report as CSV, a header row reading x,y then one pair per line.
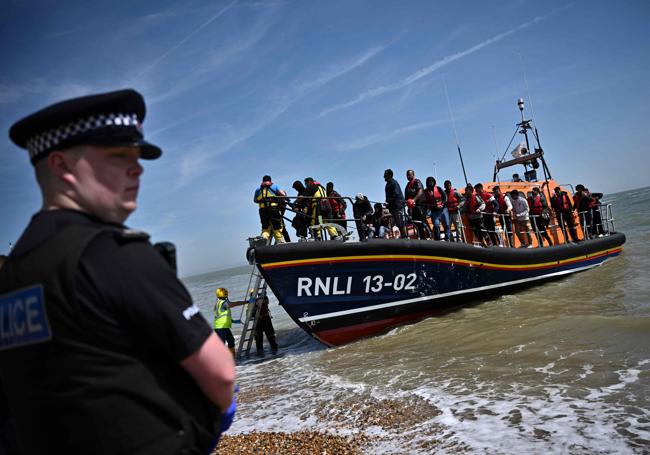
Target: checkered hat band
x,y
50,139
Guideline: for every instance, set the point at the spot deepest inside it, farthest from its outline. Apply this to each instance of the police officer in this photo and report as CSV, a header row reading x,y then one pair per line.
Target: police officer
x,y
105,351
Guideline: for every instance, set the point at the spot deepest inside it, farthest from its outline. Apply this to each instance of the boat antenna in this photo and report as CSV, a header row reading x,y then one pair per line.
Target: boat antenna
x,y
523,71
453,123
496,147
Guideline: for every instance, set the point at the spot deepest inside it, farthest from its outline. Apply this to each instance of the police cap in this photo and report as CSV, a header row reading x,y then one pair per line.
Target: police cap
x,y
110,119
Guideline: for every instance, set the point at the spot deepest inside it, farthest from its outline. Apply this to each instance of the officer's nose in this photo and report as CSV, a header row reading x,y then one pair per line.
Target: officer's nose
x,y
135,170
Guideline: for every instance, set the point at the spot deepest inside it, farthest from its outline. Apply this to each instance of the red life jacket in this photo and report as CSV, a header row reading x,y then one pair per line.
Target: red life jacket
x,y
489,208
434,198
535,203
473,203
503,206
452,201
563,203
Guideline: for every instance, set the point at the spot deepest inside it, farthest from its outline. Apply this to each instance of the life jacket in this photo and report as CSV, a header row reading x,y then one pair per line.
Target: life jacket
x,y
434,198
562,203
503,206
473,203
222,315
320,199
593,202
489,208
265,196
452,201
410,191
535,205
338,205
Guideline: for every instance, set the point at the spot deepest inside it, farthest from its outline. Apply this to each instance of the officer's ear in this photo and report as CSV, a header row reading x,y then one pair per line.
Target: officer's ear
x,y
61,164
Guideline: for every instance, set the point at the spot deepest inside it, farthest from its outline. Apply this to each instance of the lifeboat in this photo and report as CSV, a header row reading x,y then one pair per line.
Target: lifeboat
x,y
339,292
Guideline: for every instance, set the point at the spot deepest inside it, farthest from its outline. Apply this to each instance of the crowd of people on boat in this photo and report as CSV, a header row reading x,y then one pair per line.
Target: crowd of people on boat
x,y
429,211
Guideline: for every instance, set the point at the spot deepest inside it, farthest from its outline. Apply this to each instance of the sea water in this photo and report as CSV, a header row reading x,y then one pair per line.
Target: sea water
x,y
563,367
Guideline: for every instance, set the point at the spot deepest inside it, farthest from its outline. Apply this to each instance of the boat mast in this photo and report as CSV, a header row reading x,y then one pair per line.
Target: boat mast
x,y
453,123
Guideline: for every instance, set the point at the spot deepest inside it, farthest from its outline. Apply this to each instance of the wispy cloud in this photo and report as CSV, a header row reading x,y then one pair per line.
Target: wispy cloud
x,y
374,139
169,51
423,72
13,92
196,162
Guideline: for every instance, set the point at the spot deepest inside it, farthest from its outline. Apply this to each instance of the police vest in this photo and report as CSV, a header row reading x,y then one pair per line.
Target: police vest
x,y
222,315
59,379
452,201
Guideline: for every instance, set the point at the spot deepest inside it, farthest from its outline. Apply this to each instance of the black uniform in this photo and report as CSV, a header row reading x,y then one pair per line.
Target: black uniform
x,y
103,375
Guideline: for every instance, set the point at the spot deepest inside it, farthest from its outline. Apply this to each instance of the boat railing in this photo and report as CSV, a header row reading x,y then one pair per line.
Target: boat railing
x,y
592,223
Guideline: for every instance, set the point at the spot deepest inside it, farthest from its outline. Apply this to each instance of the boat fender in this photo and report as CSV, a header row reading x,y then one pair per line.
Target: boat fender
x,y
250,255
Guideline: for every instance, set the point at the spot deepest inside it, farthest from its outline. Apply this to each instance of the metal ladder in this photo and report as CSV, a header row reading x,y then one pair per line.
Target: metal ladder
x,y
252,313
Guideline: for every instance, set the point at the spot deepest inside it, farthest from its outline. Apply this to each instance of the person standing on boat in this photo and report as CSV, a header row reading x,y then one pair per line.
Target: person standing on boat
x,y
416,203
491,208
320,207
596,219
436,200
395,200
362,210
106,352
473,207
300,207
454,204
264,327
538,207
561,203
521,219
270,197
505,213
338,205
516,178
582,203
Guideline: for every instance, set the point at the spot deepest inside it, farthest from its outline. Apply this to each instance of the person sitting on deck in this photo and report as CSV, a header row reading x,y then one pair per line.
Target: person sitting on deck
x,y
473,207
382,223
362,210
515,178
538,208
521,219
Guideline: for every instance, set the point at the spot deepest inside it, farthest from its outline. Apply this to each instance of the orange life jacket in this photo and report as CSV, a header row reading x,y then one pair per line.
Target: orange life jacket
x,y
473,203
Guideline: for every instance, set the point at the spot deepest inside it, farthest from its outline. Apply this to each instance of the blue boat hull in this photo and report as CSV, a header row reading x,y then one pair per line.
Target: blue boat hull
x,y
340,292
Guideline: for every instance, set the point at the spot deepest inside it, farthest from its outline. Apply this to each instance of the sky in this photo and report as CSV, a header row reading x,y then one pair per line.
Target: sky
x,y
335,90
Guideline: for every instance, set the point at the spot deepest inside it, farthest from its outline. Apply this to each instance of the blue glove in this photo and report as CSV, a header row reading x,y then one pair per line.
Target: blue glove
x,y
228,416
226,420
